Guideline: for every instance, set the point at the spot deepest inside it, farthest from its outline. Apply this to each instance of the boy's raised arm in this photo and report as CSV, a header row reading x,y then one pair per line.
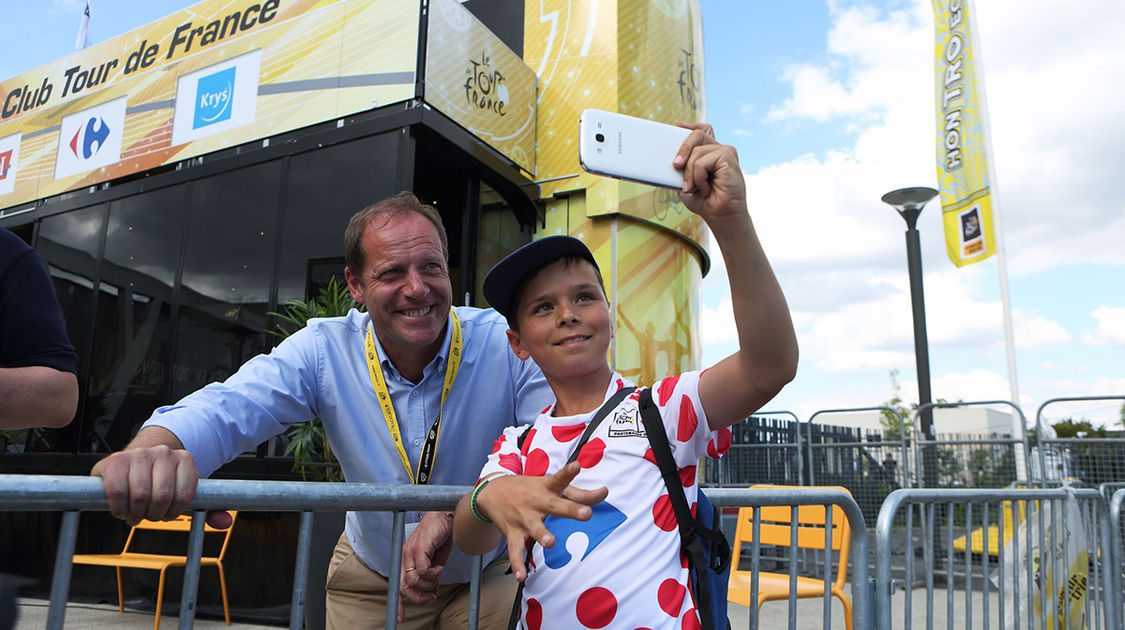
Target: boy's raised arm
x,y
766,360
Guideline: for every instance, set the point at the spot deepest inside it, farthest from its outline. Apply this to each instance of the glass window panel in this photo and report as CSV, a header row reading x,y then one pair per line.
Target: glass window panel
x,y
69,245
227,274
324,189
128,371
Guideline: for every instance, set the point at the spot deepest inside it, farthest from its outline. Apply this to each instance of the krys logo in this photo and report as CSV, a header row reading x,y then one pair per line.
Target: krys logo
x,y
90,138
214,98
484,86
5,163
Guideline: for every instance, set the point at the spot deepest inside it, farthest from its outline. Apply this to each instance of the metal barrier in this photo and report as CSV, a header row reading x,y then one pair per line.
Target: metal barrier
x,y
862,611
1018,444
72,494
1021,527
1117,529
871,478
768,460
1092,461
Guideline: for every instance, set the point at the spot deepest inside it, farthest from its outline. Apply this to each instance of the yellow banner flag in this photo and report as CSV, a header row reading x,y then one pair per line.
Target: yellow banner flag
x,y
962,137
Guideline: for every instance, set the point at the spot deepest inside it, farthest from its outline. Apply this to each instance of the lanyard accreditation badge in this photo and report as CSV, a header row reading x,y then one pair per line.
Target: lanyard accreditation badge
x,y
429,450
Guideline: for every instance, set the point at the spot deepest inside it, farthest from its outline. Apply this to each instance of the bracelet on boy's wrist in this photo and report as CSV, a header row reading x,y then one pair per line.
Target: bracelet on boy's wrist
x,y
473,499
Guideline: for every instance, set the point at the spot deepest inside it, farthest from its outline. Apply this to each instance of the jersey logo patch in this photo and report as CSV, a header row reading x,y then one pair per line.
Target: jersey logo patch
x,y
626,423
602,523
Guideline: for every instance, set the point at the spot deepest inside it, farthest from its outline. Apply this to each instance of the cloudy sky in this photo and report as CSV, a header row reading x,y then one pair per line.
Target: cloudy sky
x,y
830,106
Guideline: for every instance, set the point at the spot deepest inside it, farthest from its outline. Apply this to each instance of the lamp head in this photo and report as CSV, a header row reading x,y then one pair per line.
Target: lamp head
x,y
909,201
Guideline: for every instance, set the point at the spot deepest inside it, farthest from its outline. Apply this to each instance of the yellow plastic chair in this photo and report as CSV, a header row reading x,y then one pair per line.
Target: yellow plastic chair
x,y
161,562
774,530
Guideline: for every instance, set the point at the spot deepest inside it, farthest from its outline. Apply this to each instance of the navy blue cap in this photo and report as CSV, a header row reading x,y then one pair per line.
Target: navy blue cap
x,y
506,276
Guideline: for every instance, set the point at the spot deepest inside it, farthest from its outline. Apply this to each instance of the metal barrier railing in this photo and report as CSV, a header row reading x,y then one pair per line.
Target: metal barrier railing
x,y
862,611
1108,462
1117,529
923,443
742,454
1025,529
72,494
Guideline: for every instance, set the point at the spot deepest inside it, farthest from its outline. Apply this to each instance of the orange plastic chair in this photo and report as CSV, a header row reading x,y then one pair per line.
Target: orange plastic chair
x,y
161,562
774,530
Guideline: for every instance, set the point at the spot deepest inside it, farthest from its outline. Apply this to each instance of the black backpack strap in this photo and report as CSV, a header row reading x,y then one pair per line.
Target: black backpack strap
x,y
603,411
689,541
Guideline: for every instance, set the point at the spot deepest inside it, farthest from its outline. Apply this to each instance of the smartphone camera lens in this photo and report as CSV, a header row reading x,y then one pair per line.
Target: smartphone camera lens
x,y
599,137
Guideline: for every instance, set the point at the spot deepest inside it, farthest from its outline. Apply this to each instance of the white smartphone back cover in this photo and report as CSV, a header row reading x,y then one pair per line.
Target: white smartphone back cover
x,y
632,148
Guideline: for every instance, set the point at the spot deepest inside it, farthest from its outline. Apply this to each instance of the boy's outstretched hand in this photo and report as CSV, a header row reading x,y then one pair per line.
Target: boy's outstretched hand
x,y
713,183
517,505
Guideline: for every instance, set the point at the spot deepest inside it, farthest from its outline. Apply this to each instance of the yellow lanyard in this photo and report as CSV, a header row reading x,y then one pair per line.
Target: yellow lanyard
x,y
429,451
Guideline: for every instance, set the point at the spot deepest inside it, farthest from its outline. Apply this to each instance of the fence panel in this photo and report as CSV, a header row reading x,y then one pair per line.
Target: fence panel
x,y
72,494
999,554
764,449
1117,533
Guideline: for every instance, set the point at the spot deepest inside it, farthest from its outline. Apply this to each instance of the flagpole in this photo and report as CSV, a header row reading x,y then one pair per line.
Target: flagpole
x,y
1001,251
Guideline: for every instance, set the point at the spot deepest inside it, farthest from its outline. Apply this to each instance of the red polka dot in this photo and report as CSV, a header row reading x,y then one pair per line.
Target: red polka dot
x,y
693,509
620,385
546,409
663,516
664,390
537,463
636,395
688,421
691,620
511,462
591,453
596,607
671,597
720,444
649,456
530,437
496,445
534,615
687,476
567,433
683,560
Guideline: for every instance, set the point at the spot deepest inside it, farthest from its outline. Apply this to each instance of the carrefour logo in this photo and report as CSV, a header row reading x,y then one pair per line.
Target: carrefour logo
x,y
89,138
214,98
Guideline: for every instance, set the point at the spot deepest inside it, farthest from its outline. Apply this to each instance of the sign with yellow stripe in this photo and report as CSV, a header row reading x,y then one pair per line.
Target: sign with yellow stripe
x,y
962,137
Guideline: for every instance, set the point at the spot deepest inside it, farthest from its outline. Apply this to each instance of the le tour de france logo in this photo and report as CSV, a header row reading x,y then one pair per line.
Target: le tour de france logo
x,y
688,79
484,86
214,98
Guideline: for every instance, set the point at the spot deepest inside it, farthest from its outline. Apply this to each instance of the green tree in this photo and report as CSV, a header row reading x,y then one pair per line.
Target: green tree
x,y
895,426
1070,428
308,444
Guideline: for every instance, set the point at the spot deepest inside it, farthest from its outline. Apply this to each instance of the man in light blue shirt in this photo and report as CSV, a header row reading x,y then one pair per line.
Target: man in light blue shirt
x,y
442,368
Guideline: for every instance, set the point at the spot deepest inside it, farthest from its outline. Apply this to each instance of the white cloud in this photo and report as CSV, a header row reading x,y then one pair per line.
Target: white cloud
x,y
974,385
1110,330
1052,75
716,325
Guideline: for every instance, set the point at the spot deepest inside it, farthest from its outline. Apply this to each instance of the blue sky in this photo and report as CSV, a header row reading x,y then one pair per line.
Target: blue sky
x,y
829,104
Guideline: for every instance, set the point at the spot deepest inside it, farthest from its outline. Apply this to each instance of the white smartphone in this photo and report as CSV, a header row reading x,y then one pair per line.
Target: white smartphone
x,y
631,148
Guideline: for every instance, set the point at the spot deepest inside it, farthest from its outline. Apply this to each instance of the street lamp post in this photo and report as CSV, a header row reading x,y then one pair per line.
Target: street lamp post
x,y
909,203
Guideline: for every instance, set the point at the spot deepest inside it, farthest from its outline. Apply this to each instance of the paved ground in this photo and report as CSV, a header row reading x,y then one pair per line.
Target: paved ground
x,y
775,615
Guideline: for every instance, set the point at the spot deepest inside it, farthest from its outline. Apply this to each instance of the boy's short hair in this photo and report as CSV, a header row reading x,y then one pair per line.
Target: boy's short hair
x,y
505,282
